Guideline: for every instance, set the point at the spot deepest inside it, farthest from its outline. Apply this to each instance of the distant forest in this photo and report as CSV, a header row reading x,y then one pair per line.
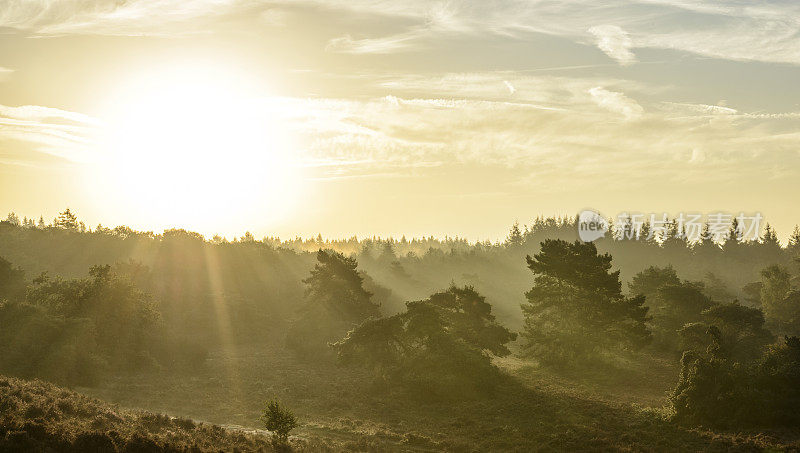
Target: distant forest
x,y
396,269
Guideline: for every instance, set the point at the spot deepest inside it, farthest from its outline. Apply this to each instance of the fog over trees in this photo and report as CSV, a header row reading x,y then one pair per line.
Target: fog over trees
x,y
713,324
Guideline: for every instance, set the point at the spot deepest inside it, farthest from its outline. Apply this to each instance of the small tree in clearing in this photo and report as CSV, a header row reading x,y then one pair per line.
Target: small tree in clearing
x,y
279,420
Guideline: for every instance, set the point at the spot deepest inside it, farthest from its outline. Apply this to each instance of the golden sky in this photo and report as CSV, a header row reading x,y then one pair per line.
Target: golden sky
x,y
389,118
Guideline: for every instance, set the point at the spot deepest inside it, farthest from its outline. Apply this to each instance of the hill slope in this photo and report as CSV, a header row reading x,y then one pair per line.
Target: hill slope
x,y
38,416
539,412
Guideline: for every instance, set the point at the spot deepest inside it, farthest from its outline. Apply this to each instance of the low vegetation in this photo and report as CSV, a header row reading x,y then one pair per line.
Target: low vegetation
x,y
37,416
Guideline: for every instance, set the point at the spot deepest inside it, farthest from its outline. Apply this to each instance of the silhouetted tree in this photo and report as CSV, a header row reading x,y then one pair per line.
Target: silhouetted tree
x,y
648,281
515,238
12,281
576,305
436,343
780,301
13,219
673,306
66,220
336,301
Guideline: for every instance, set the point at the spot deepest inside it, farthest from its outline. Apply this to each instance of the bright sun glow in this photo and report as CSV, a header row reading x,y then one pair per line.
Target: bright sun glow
x,y
199,146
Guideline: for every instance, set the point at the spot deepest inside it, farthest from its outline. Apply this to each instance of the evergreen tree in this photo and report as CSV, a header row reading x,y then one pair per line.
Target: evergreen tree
x,y
335,302
794,241
576,305
12,281
515,238
13,219
733,237
780,300
66,220
770,237
650,280
440,343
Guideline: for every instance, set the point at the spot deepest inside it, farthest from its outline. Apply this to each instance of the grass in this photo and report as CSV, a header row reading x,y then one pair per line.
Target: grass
x,y
532,410
38,416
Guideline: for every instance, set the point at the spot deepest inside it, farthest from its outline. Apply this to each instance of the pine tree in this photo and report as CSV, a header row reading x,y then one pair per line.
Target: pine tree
x,y
770,236
515,237
734,234
66,220
336,301
706,239
794,241
576,305
13,219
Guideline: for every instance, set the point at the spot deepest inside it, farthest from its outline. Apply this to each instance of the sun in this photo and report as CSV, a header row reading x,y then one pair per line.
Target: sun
x,y
197,146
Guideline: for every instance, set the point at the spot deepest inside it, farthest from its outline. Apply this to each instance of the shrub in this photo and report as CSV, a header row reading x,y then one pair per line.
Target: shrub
x,y
713,390
438,346
279,420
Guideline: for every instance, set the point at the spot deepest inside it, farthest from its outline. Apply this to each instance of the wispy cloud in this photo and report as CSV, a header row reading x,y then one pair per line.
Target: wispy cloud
x,y
346,44
616,102
673,141
48,130
729,29
613,40
38,113
132,17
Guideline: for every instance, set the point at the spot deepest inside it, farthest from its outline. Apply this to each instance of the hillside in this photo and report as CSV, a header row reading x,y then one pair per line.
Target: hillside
x,y
532,411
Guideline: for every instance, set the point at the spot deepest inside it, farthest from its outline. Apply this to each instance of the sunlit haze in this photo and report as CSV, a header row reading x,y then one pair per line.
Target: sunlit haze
x,y
452,118
394,226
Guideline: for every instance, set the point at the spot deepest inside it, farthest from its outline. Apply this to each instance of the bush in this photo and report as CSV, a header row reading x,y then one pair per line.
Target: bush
x,y
710,392
439,346
716,391
279,420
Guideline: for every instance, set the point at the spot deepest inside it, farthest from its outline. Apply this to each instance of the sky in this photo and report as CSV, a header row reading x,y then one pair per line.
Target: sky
x,y
392,118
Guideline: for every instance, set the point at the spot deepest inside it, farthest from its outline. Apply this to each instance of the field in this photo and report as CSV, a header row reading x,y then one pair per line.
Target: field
x,y
533,409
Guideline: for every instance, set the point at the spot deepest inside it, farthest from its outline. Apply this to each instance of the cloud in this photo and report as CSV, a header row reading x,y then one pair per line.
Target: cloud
x,y
346,44
693,109
616,102
536,90
132,17
729,29
556,126
397,134
38,113
613,40
48,130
